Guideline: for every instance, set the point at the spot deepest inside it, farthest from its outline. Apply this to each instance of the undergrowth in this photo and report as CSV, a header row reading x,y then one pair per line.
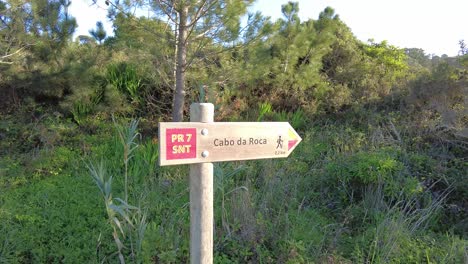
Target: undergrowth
x,y
349,193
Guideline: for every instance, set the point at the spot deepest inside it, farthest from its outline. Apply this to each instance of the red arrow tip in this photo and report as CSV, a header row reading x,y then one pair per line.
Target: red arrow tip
x,y
291,144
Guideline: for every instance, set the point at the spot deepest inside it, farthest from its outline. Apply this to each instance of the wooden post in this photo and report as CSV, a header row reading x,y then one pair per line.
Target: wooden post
x,y
202,141
201,196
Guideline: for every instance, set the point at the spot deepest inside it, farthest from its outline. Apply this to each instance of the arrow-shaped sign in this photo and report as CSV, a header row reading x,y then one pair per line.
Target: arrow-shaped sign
x,y
193,142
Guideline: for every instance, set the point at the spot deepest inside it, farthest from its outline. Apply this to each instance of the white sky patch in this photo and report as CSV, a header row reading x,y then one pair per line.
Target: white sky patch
x,y
87,15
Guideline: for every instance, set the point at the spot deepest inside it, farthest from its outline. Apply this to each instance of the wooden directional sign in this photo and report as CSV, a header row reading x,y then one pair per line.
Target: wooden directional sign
x,y
194,142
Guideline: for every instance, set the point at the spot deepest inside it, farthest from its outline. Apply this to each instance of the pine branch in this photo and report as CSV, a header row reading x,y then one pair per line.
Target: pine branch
x,y
10,55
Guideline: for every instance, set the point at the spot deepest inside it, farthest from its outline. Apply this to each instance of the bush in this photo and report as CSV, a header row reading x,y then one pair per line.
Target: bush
x,y
124,78
51,221
354,173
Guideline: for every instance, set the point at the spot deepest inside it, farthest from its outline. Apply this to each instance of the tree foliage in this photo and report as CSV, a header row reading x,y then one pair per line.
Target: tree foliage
x,y
195,25
34,35
381,166
99,33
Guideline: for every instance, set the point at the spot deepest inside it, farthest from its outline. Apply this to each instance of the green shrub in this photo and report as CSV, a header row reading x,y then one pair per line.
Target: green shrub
x,y
51,221
124,77
263,110
298,119
354,173
80,110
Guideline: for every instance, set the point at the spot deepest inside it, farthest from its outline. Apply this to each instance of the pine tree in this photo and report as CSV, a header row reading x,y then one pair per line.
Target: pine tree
x,y
34,33
99,33
196,24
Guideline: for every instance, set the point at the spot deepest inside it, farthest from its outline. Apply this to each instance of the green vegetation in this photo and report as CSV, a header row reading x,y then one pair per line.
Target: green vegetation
x,y
380,176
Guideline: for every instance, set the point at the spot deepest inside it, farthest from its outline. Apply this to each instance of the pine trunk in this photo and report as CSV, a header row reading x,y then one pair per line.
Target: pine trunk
x,y
179,93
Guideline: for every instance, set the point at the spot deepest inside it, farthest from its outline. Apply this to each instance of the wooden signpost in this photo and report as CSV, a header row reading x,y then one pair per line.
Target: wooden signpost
x,y
203,141
195,142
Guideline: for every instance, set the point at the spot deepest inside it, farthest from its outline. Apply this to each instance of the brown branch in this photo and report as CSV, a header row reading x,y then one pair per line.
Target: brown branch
x,y
198,15
10,55
165,11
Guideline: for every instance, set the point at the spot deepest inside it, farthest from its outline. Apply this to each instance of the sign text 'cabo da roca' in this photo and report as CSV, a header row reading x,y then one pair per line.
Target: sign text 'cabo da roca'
x,y
194,142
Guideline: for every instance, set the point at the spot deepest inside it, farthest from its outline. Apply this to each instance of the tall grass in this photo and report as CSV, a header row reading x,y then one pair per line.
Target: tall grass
x,y
223,174
127,135
128,222
397,222
328,202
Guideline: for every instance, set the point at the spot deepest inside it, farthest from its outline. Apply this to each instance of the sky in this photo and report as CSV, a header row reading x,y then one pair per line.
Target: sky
x,y
433,25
